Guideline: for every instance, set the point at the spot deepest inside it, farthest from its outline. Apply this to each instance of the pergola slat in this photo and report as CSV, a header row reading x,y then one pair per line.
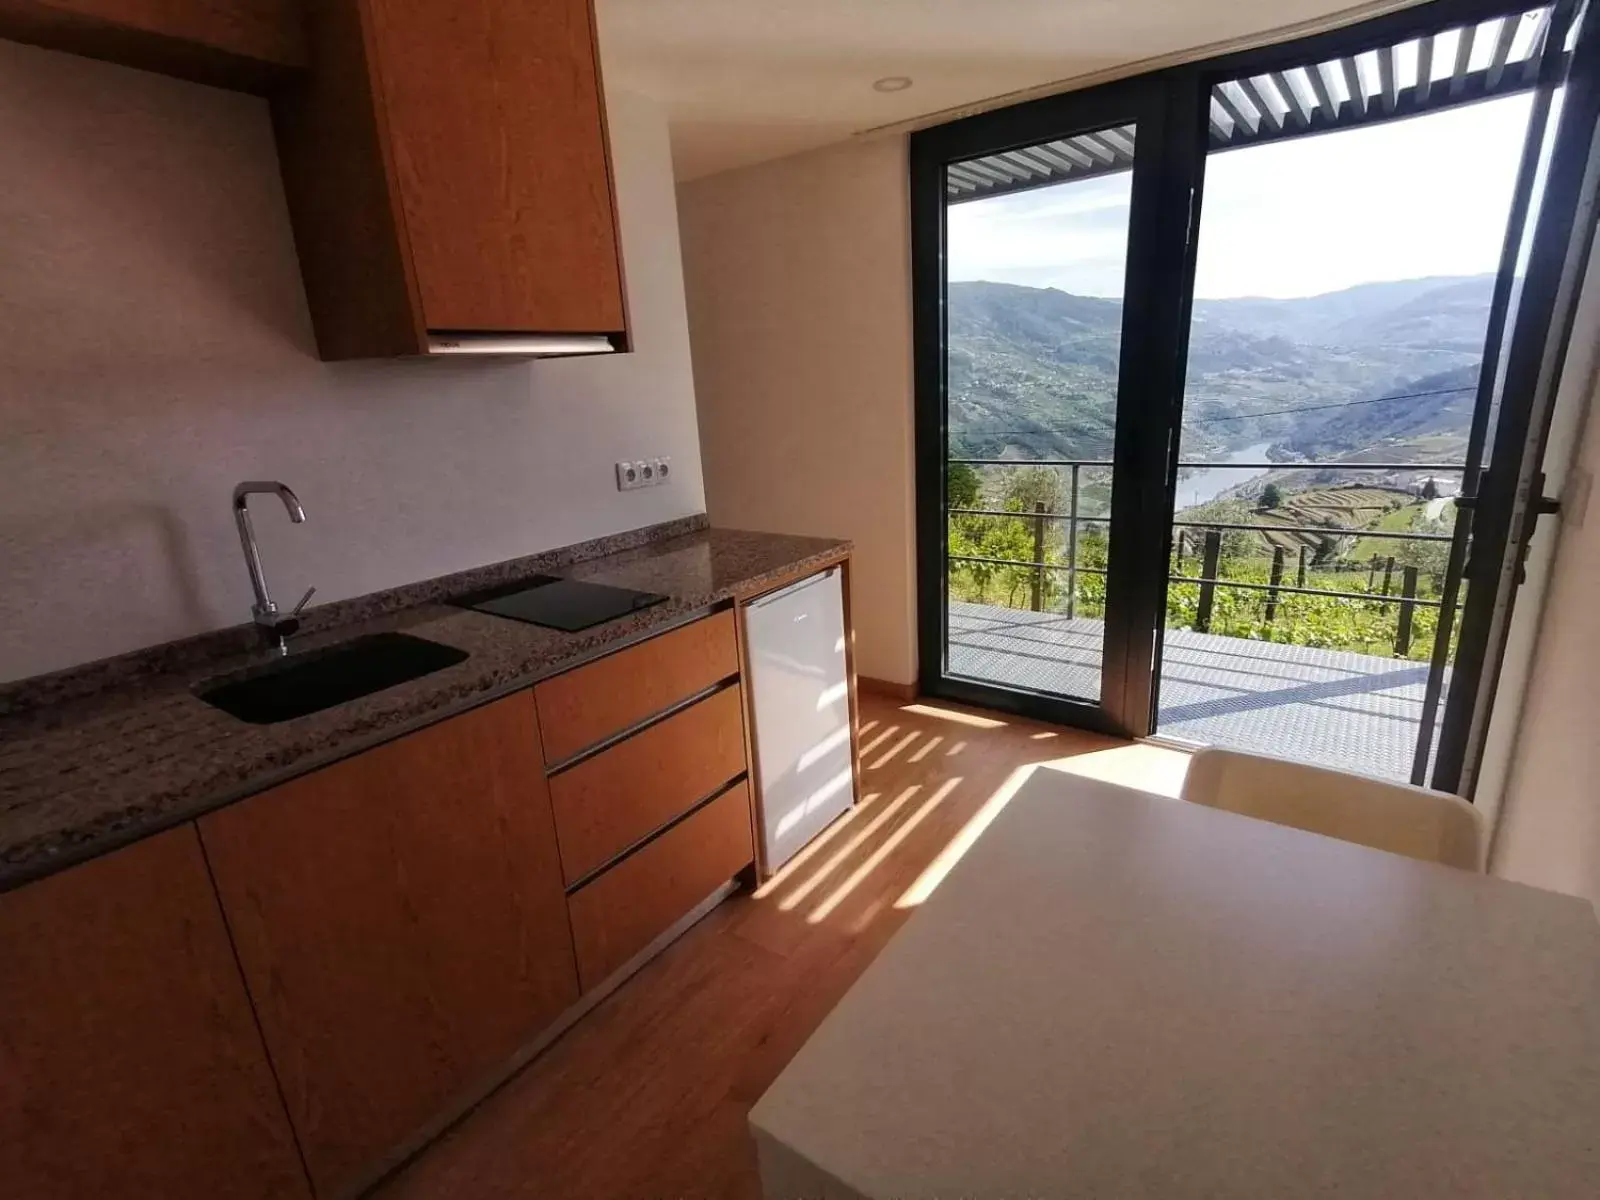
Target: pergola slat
x,y
1386,80
1242,113
1357,89
1298,115
1252,93
1502,49
1235,113
1458,77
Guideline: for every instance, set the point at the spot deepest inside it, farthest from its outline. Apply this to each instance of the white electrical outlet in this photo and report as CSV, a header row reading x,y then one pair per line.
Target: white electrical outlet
x,y
644,472
629,476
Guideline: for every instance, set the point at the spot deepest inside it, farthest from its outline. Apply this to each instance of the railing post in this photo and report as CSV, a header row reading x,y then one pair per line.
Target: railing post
x,y
1208,572
1408,593
1372,572
1072,547
1300,575
1277,578
1388,573
1038,556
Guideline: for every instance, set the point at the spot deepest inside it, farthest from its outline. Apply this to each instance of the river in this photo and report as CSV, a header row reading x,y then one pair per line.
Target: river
x,y
1207,483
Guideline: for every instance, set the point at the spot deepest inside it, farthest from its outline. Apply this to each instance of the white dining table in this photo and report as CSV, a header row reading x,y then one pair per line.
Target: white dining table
x,y
1117,994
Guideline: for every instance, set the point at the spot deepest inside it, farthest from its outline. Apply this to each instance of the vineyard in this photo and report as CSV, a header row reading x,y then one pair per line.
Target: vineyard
x,y
993,555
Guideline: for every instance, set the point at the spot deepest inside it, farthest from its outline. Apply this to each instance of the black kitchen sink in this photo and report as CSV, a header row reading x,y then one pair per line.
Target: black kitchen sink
x,y
319,679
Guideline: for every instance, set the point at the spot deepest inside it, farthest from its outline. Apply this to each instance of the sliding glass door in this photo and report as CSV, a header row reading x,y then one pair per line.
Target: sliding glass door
x,y
1547,249
1290,511
1035,228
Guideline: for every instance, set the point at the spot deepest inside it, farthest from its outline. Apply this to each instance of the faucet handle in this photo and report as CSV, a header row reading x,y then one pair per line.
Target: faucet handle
x,y
304,600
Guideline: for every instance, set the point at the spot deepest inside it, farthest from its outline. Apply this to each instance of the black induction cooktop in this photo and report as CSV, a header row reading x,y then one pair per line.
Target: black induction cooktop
x,y
556,603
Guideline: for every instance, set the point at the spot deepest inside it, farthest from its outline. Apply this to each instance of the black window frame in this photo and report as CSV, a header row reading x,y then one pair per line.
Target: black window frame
x,y
1171,109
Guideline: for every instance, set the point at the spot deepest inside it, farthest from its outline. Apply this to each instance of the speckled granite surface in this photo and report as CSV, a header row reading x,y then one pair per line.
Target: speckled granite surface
x,y
141,753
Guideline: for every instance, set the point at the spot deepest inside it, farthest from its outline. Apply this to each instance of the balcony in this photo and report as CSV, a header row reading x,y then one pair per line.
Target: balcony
x,y
1306,640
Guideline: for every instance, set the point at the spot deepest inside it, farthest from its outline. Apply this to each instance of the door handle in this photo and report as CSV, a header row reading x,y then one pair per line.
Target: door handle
x,y
1542,506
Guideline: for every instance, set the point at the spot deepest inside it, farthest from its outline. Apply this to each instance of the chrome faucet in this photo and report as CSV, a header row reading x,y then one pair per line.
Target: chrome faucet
x,y
275,628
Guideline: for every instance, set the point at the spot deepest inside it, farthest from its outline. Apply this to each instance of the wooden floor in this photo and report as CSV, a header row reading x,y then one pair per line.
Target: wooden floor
x,y
648,1095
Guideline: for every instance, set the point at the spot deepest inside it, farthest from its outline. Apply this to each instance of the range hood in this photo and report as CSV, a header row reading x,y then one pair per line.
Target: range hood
x,y
521,345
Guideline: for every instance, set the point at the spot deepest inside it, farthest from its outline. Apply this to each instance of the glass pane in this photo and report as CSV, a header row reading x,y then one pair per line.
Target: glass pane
x,y
1342,298
1037,255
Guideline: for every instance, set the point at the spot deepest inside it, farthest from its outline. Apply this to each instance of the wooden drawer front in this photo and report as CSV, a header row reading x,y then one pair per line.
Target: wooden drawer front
x,y
592,703
608,802
624,910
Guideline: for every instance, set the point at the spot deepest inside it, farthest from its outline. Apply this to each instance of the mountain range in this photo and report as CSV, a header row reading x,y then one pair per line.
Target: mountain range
x,y
1386,368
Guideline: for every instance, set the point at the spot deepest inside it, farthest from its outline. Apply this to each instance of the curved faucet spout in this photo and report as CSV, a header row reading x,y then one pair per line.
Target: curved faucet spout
x,y
265,613
254,487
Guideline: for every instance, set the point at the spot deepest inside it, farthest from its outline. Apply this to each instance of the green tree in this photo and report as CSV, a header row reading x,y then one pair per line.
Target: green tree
x,y
1271,496
1030,486
1430,489
961,485
1430,558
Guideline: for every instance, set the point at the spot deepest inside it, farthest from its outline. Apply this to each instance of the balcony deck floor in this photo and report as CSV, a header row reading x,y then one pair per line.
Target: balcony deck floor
x,y
1356,712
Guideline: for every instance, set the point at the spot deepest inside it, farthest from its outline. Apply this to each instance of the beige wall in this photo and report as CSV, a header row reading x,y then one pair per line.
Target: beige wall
x,y
157,350
798,278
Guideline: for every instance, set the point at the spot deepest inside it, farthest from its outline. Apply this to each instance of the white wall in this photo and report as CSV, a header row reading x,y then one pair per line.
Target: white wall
x,y
1547,748
798,278
156,350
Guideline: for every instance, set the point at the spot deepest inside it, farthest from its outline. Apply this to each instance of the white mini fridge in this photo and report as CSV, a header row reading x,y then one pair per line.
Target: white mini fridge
x,y
800,694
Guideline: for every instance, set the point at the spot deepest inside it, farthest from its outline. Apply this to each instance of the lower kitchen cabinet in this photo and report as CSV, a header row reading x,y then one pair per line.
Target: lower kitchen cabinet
x,y
401,923
129,1062
631,904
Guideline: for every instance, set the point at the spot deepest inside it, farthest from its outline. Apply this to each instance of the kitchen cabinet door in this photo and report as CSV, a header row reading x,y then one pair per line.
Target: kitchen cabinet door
x,y
448,171
497,131
130,1065
401,922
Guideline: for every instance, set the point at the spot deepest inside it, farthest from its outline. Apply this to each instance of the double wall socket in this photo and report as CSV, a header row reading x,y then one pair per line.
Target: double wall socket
x,y
642,473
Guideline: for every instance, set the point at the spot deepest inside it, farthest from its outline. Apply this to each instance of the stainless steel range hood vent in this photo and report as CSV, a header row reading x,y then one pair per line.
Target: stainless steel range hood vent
x,y
520,345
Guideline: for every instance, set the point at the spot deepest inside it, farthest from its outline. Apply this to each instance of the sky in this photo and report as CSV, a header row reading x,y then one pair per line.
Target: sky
x,y
1403,200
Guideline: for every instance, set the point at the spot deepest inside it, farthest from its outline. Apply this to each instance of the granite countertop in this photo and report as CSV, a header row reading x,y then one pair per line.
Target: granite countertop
x,y
138,755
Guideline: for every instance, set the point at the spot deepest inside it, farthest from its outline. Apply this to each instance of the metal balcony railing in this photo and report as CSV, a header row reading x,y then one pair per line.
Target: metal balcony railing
x,y
1210,577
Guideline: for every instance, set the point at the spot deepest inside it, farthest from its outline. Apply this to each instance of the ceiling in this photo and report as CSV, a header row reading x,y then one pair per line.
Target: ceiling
x,y
747,80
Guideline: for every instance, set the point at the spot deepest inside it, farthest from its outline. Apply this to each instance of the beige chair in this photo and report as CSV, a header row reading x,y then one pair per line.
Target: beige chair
x,y
1413,821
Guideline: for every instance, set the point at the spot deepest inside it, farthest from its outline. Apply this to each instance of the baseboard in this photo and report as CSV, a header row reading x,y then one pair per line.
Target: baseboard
x,y
886,687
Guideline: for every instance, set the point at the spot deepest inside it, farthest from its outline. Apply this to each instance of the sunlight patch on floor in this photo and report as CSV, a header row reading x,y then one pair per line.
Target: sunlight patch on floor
x,y
812,848
927,748
879,740
878,856
951,714
947,858
894,750
1157,769
797,897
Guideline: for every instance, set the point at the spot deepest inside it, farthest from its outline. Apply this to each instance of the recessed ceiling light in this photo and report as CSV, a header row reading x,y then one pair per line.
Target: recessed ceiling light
x,y
891,83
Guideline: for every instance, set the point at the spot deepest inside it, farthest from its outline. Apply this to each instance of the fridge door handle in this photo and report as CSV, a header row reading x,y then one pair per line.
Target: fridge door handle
x,y
791,589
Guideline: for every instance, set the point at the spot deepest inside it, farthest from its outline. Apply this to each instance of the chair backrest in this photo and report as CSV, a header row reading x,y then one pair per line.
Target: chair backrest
x,y
1413,821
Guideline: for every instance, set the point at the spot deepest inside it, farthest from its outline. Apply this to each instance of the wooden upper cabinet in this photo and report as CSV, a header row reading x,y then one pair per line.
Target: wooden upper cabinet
x,y
447,171
402,925
130,1065
498,138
